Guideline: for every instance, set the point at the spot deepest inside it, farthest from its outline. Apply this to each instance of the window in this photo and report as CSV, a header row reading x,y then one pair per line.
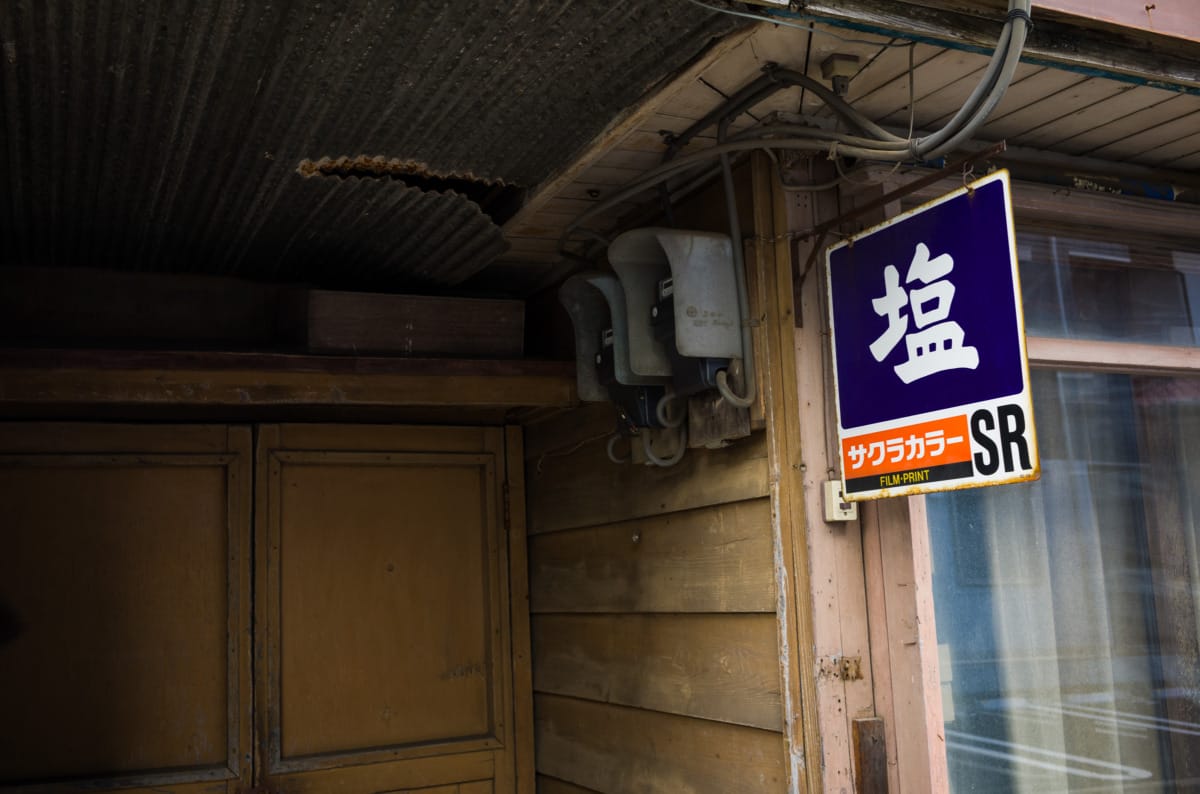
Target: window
x,y
1067,609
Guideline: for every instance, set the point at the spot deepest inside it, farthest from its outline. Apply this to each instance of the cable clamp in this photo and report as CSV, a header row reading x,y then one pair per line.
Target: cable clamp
x,y
914,149
1021,13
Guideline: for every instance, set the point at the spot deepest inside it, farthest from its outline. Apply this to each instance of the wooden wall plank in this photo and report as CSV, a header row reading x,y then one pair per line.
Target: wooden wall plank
x,y
882,71
622,157
1188,163
584,488
1128,99
618,749
717,667
552,785
1023,92
1121,127
1141,147
1023,71
932,104
708,560
700,98
1051,106
612,176
558,434
1188,143
412,325
664,120
870,756
942,69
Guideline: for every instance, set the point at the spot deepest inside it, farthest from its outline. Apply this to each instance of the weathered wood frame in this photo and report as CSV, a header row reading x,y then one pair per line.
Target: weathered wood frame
x,y
497,454
889,553
790,524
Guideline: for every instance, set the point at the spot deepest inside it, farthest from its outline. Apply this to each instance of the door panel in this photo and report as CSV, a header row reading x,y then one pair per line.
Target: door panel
x,y
373,537
124,579
383,623
383,651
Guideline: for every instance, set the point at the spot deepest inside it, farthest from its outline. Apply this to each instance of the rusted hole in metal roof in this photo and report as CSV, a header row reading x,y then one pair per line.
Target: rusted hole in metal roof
x,y
498,200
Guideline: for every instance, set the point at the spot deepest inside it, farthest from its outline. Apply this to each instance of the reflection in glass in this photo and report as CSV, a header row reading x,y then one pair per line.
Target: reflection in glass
x,y
1067,608
1120,291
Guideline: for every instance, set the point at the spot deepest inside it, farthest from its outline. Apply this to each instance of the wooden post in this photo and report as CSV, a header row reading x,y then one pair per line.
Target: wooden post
x,y
795,611
840,620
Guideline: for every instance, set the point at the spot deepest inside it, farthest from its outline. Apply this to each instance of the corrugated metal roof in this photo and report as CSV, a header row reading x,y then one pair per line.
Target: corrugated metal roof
x,y
153,135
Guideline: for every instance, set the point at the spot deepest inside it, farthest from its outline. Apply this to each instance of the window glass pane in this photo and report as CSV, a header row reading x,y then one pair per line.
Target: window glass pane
x,y
1067,608
1096,289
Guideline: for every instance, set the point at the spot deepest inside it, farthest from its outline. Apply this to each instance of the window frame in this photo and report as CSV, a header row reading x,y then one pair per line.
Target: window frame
x,y
897,555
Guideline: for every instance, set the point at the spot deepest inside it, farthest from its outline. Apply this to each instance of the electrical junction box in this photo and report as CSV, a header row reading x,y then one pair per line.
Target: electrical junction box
x,y
837,509
690,375
596,304
680,292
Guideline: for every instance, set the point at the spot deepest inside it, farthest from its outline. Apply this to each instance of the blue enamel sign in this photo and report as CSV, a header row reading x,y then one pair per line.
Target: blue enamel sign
x,y
931,374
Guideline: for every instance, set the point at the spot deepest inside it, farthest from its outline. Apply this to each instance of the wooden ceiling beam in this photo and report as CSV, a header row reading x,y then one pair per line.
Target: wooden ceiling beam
x,y
240,380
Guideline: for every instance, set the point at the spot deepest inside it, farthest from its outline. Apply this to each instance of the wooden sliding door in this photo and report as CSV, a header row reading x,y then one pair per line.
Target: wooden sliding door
x,y
124,607
381,654
383,630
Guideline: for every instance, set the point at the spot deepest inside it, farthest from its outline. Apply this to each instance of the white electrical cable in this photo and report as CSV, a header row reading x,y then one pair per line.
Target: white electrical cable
x,y
612,442
666,462
660,411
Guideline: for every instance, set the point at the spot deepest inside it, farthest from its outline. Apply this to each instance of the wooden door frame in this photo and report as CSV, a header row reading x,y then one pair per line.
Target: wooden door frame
x,y
790,497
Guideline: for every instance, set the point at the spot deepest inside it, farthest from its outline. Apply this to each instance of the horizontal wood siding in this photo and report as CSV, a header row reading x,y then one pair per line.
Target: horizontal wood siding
x,y
721,667
715,559
585,488
617,749
653,598
552,785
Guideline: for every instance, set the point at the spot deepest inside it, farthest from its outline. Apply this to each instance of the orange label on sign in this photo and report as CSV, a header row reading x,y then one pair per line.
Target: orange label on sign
x,y
920,446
